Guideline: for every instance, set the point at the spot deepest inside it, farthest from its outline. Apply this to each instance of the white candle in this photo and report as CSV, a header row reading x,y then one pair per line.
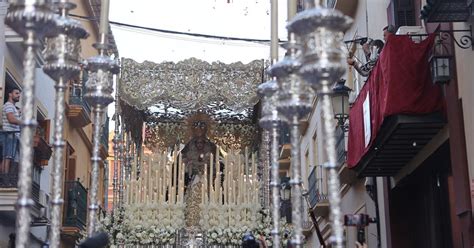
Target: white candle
x,y
226,178
104,17
170,176
206,190
211,170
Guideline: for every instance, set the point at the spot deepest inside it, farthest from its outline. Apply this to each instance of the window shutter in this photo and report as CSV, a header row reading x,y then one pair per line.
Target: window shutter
x,y
405,13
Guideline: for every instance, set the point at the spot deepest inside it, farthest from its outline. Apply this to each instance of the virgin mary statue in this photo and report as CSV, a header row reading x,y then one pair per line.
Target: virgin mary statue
x,y
196,155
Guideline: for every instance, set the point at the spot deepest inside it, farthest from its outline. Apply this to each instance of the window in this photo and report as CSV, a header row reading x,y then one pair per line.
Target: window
x,y
402,13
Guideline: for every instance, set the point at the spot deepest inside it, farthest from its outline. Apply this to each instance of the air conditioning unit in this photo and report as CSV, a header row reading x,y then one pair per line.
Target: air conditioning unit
x,y
412,30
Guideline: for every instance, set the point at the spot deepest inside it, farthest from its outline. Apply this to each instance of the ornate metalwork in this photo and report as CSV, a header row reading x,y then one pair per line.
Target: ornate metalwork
x,y
191,84
99,89
321,31
116,140
464,41
62,56
446,11
228,135
32,20
271,120
294,102
322,51
123,163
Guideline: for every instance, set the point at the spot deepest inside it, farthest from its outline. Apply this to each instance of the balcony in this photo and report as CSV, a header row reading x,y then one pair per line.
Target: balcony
x,y
9,177
446,11
317,200
75,208
43,150
78,110
397,112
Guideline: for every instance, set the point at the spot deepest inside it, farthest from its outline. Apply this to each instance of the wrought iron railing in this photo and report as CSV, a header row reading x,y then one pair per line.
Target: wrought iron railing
x,y
75,98
9,145
75,205
315,184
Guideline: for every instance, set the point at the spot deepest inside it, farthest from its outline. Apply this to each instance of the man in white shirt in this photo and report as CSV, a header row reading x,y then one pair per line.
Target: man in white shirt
x,y
11,116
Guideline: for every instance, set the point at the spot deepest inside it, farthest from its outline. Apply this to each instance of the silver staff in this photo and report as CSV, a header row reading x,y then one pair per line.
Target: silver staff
x,y
321,32
271,121
32,20
116,140
99,90
62,56
294,102
122,162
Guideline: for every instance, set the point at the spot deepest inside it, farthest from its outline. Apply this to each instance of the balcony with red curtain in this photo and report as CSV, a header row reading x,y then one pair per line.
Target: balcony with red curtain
x,y
397,112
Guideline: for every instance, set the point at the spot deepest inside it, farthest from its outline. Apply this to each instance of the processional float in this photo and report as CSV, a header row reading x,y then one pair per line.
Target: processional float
x,y
318,64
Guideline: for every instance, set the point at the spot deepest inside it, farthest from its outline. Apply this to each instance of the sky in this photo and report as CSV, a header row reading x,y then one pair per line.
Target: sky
x,y
230,18
236,18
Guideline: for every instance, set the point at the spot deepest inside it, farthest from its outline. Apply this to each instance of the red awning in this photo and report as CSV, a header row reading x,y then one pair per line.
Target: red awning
x,y
400,83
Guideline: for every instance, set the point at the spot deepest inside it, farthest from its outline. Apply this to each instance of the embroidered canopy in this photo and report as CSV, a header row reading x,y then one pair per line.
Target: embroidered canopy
x,y
190,85
170,92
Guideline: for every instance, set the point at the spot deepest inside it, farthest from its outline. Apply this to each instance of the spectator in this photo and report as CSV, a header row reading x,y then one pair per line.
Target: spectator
x,y
11,122
388,30
375,48
249,241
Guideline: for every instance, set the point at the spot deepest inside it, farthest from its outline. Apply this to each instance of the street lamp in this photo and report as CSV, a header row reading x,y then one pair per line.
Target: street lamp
x,y
285,191
440,63
285,194
340,103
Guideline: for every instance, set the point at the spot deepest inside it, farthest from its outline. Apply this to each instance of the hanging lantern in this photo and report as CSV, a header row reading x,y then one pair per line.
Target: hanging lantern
x,y
340,102
440,63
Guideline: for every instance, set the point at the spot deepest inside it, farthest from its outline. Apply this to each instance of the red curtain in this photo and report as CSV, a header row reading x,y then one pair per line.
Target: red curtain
x,y
400,83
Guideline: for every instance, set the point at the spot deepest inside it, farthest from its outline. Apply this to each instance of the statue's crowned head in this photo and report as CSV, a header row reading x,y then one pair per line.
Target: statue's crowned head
x,y
199,125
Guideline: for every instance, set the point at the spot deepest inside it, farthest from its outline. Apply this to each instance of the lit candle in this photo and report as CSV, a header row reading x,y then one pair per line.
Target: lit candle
x,y
104,17
170,176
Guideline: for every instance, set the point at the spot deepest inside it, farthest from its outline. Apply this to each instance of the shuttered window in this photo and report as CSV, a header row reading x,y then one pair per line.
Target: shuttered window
x,y
404,13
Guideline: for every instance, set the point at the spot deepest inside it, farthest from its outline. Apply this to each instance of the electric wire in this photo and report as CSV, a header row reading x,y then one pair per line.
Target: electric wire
x,y
178,32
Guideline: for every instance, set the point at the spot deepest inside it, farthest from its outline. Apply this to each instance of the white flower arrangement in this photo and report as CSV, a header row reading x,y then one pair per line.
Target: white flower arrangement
x,y
143,224
158,224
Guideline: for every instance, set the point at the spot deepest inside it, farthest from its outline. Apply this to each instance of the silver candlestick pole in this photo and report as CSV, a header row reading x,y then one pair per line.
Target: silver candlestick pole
x,y
116,140
99,90
294,102
31,19
321,31
271,121
123,162
128,155
62,56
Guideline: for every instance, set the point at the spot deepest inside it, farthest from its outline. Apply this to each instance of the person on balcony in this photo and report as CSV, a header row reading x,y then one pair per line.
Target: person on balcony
x,y
11,116
388,30
372,52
